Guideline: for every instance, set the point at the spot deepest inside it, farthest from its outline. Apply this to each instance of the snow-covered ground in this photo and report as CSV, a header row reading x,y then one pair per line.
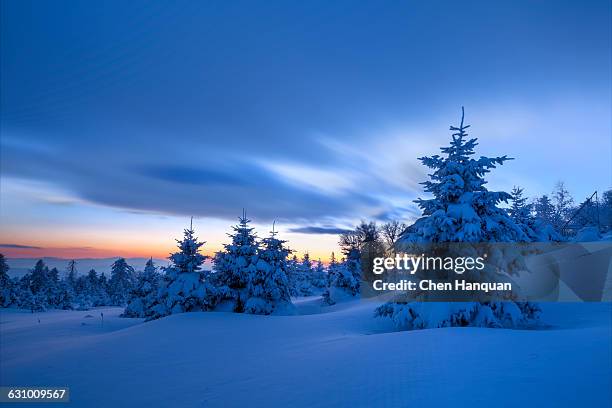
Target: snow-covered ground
x,y
339,358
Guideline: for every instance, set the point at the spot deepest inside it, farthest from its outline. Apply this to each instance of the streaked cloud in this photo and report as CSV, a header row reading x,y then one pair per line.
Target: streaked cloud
x,y
19,246
319,230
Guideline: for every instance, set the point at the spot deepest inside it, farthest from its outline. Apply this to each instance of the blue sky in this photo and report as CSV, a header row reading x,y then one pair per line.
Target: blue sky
x,y
119,120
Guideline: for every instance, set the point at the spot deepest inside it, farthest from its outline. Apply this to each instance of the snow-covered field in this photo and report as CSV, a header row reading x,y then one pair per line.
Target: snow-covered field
x,y
332,357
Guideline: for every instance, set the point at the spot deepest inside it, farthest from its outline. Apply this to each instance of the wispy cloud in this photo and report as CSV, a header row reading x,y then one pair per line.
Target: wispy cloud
x,y
319,230
18,246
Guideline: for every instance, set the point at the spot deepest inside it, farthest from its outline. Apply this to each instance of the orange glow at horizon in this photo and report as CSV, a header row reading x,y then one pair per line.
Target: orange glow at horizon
x,y
102,248
91,252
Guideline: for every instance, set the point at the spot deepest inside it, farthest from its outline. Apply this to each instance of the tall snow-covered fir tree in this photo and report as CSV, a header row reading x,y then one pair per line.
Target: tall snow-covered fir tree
x,y
120,282
268,287
462,210
184,287
144,293
234,266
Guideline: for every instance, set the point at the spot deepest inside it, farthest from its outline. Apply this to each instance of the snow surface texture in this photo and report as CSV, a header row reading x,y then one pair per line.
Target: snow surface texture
x,y
334,356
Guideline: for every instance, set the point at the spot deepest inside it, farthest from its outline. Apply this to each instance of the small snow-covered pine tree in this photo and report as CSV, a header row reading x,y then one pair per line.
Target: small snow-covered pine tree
x,y
144,294
71,274
38,277
563,203
268,288
344,279
319,277
521,213
52,288
543,219
65,298
103,289
234,266
544,209
120,283
302,276
97,294
293,266
25,298
344,283
184,287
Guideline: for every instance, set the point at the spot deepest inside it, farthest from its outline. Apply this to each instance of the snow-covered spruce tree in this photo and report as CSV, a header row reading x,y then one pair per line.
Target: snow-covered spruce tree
x,y
300,276
4,268
544,209
461,210
268,288
344,280
184,287
332,276
83,301
306,264
312,279
319,277
44,285
7,286
234,266
103,288
120,282
83,298
144,293
605,211
52,288
521,213
97,294
25,298
38,277
293,265
65,296
71,274
563,205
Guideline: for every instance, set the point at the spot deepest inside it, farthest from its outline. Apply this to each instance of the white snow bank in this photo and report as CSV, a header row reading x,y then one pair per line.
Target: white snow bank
x,y
341,358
